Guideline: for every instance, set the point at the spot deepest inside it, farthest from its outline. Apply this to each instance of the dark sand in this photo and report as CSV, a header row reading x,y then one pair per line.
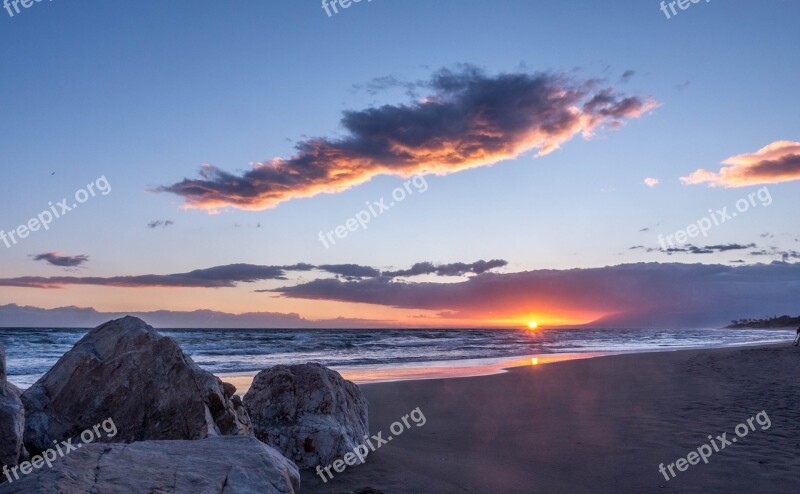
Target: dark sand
x,y
600,425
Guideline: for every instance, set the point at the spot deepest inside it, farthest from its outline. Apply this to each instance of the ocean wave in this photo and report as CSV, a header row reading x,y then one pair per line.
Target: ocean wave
x,y
31,352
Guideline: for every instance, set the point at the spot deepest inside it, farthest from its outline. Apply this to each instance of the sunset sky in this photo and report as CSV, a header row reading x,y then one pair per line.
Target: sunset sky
x,y
545,172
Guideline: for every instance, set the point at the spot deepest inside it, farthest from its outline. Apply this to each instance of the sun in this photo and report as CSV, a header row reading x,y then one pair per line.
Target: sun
x,y
533,325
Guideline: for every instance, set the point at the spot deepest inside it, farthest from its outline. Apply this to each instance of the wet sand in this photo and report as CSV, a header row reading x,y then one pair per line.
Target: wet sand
x,y
431,370
597,425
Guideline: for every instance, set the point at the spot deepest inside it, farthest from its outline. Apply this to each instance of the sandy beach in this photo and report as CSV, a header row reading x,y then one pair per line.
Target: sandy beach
x,y
597,425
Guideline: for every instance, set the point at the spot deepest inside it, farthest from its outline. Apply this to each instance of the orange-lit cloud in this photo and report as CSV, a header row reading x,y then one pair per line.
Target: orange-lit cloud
x,y
469,120
651,182
773,164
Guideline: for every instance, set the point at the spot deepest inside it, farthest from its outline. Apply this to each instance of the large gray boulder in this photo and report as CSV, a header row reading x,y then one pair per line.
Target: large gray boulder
x,y
308,412
126,371
12,417
221,465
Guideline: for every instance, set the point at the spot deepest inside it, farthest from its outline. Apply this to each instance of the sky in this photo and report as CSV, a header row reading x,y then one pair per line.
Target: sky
x,y
415,164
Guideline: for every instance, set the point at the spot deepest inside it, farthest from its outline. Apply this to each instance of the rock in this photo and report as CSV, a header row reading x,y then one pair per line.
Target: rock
x,y
3,376
228,465
307,412
228,389
126,371
12,418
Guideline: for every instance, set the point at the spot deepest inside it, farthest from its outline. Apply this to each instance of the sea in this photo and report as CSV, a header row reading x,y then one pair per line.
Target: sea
x,y
31,352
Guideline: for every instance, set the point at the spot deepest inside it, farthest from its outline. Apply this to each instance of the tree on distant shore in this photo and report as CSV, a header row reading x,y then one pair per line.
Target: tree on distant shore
x,y
784,321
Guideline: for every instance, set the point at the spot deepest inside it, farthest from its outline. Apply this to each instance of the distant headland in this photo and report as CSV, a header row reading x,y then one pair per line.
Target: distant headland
x,y
774,322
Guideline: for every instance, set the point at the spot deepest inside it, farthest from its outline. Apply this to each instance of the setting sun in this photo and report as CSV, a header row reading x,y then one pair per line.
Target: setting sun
x,y
532,325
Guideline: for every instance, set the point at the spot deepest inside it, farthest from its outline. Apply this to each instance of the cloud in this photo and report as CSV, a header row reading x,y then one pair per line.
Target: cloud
x,y
627,76
454,269
627,295
231,275
56,259
381,84
708,249
160,223
727,247
773,164
469,119
783,255
651,182
694,249
350,271
215,277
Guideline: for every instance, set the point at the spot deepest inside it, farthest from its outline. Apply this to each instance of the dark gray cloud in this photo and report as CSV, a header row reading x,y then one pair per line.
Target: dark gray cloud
x,y
453,269
351,271
469,119
694,249
216,277
708,249
233,274
301,266
56,259
783,255
160,223
627,76
727,247
644,294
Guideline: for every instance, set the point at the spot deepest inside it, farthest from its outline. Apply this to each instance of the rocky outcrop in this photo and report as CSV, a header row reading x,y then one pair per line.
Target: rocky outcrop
x,y
126,371
308,412
12,418
224,465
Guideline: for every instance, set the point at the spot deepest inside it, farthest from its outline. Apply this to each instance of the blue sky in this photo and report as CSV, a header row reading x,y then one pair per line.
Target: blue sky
x,y
144,93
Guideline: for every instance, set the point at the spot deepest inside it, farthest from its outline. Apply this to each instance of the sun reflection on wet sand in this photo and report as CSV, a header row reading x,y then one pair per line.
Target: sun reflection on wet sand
x,y
431,370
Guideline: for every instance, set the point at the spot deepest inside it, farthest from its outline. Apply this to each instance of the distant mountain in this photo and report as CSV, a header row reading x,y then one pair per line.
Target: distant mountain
x,y
17,316
774,322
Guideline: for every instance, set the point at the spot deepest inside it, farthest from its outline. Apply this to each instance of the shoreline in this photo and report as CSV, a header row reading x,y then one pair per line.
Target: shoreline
x,y
454,369
442,369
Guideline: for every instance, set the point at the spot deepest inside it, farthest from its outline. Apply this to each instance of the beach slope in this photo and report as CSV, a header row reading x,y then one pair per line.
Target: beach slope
x,y
598,425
